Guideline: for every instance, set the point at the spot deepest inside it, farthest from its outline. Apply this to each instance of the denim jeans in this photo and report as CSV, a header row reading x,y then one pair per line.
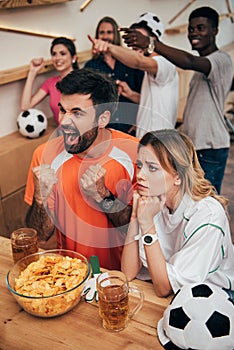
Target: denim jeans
x,y
230,293
213,162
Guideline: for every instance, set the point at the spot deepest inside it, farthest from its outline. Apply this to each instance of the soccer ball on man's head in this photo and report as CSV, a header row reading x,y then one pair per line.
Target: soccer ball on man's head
x,y
152,22
199,317
32,123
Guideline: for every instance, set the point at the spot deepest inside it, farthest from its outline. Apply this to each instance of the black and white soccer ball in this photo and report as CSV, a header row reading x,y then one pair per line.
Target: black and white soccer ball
x,y
153,22
32,123
199,317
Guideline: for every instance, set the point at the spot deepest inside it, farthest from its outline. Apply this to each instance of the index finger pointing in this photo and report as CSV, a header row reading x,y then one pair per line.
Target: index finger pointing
x,y
90,38
127,30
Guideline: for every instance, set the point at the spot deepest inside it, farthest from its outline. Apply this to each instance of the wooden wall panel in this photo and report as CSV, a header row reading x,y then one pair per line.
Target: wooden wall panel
x,y
14,212
4,4
3,229
18,73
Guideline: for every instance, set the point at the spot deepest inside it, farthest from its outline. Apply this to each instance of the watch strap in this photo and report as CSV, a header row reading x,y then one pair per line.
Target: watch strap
x,y
137,237
110,197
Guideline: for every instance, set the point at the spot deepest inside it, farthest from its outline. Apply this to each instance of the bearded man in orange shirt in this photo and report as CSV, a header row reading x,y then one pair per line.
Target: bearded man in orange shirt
x,y
80,184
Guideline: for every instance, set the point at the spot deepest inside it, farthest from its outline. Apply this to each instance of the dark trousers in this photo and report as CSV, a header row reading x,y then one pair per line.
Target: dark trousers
x,y
213,162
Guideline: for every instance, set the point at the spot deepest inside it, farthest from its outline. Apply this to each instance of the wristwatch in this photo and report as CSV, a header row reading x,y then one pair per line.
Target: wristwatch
x,y
150,48
107,202
148,238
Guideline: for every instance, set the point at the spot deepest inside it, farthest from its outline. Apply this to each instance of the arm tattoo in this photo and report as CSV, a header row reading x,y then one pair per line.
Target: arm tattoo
x,y
38,218
120,215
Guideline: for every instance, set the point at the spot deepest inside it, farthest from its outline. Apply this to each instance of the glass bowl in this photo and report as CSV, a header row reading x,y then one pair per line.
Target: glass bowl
x,y
48,283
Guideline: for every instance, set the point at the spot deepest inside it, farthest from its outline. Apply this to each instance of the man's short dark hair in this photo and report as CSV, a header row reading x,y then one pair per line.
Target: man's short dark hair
x,y
208,13
103,91
143,25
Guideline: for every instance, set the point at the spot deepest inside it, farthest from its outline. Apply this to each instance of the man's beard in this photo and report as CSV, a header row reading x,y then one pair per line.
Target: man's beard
x,y
83,141
108,41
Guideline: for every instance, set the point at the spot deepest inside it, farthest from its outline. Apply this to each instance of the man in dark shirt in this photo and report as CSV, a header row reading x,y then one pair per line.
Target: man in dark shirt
x,y
125,116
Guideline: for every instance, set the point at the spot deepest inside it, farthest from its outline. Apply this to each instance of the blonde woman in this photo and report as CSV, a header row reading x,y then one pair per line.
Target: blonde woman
x,y
179,227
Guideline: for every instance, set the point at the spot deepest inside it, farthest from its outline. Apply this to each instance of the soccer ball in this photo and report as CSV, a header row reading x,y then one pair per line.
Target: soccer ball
x,y
153,22
32,123
201,317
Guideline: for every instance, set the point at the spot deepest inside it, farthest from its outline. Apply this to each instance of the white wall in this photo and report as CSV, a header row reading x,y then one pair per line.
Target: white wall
x,y
67,20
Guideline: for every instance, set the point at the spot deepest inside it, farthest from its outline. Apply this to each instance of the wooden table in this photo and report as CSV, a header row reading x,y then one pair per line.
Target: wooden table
x,y
80,328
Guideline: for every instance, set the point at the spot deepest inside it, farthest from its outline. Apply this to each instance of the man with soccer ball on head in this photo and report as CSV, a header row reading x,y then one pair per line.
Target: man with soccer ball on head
x,y
158,98
203,119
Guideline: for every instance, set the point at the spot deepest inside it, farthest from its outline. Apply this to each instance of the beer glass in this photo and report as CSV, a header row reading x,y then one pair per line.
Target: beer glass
x,y
113,299
23,243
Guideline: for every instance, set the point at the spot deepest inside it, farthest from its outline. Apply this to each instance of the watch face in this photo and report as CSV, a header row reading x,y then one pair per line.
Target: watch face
x,y
150,50
107,203
148,239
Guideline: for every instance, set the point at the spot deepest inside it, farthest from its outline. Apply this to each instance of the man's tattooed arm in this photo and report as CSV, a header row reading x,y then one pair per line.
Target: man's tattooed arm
x,y
38,218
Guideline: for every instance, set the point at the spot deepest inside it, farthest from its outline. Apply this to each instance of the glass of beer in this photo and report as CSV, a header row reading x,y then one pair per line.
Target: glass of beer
x,y
113,299
23,243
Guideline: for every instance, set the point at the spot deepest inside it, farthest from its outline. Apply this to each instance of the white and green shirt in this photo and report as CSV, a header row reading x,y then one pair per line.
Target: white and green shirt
x,y
196,243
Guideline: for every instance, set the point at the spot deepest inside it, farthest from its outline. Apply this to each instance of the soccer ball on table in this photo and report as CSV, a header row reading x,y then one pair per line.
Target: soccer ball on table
x,y
32,123
199,317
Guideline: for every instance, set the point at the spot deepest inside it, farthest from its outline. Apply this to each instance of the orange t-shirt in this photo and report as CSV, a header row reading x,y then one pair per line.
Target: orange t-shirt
x,y
80,223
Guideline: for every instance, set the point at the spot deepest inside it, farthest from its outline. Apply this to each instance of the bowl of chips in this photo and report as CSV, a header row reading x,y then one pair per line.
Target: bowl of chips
x,y
49,283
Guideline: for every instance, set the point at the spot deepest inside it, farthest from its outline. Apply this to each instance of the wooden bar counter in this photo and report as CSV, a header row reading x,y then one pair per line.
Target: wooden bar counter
x,y
80,328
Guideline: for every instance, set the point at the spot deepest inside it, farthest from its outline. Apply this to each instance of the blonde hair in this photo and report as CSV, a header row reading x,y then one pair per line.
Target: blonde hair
x,y
177,155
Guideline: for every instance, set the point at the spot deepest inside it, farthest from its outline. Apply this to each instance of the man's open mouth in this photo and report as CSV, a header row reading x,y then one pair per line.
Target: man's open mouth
x,y
71,136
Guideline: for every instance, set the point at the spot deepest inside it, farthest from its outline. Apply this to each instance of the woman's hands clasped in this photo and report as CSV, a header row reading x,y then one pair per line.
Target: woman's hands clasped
x,y
145,208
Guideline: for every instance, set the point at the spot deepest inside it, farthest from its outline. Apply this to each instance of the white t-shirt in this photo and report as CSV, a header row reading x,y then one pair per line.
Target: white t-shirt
x,y
196,243
159,99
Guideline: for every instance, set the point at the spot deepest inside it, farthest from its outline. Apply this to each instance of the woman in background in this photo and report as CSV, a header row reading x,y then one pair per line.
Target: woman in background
x,y
179,228
64,59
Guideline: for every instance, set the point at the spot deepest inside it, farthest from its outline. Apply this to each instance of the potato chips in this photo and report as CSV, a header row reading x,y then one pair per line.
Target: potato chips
x,y
48,283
